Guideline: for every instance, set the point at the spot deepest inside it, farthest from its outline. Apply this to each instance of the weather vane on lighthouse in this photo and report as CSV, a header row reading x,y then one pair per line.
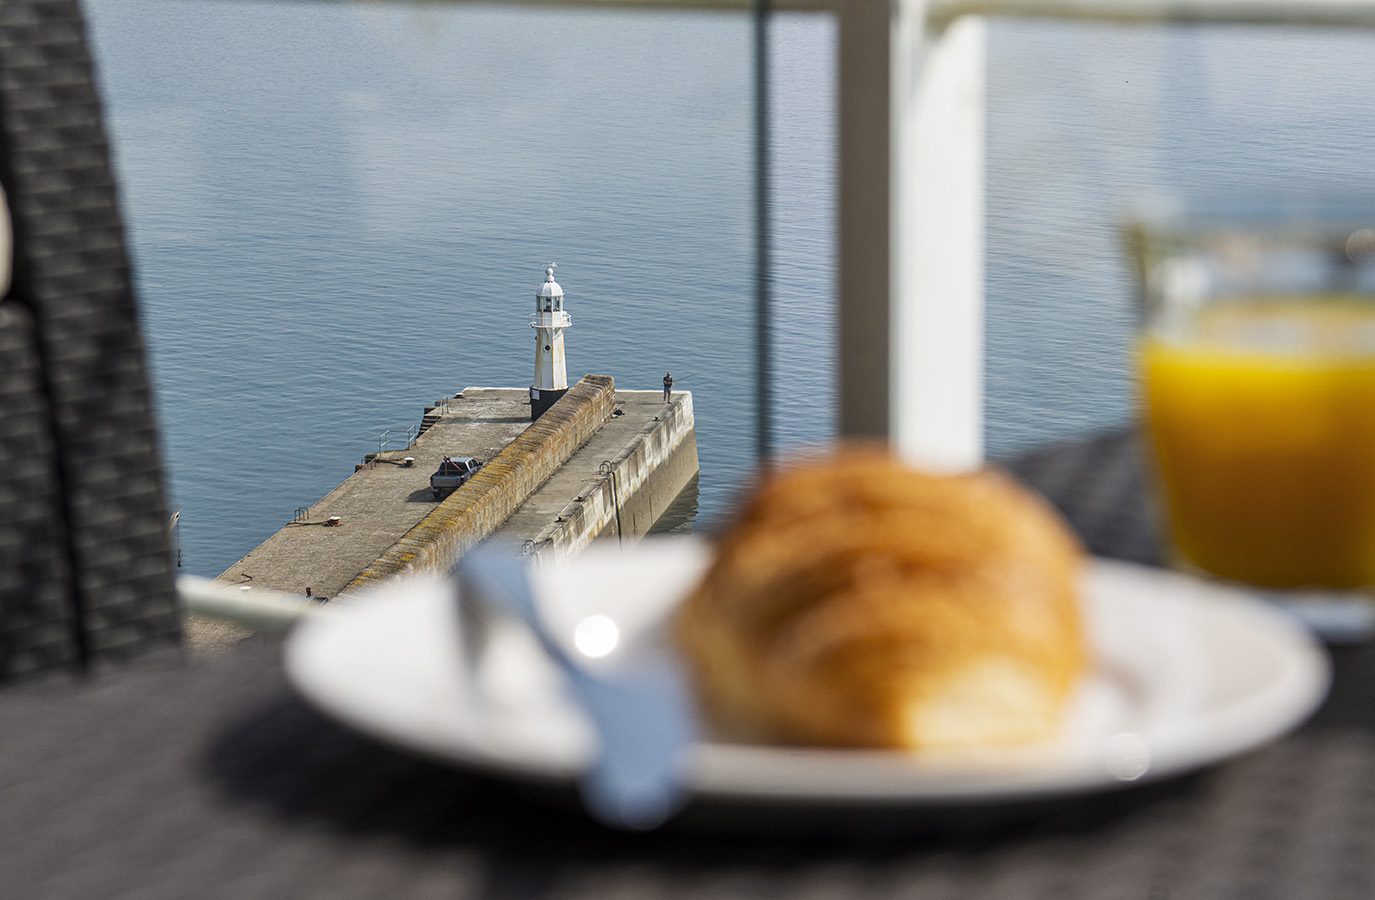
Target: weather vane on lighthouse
x,y
549,321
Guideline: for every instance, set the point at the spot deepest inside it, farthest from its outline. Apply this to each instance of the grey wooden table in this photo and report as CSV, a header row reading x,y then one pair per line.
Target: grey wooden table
x,y
177,778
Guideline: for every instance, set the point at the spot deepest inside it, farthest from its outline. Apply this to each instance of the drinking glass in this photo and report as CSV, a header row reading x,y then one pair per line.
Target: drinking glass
x,y
1256,361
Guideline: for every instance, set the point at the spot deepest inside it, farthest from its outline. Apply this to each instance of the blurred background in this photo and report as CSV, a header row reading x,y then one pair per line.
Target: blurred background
x,y
338,213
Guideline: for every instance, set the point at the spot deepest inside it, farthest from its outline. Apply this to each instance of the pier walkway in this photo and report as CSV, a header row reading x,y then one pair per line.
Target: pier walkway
x,y
383,500
580,475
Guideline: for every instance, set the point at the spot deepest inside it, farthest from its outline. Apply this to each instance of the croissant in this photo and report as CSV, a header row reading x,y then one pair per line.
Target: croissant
x,y
857,602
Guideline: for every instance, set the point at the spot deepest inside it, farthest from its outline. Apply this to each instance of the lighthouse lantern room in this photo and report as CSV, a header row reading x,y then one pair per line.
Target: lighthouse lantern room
x,y
549,321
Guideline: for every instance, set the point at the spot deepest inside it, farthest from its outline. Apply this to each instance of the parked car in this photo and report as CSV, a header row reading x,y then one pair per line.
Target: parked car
x,y
452,474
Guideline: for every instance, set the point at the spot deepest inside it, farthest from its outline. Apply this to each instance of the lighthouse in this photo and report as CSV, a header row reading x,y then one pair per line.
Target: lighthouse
x,y
549,321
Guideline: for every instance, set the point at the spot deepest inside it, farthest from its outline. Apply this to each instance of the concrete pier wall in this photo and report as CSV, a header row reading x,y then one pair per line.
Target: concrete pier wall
x,y
645,478
504,483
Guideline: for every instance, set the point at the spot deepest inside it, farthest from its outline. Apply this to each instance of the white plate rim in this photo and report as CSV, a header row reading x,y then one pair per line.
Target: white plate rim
x,y
772,774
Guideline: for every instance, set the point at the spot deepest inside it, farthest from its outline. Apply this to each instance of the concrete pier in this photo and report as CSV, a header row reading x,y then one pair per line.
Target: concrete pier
x,y
617,485
600,462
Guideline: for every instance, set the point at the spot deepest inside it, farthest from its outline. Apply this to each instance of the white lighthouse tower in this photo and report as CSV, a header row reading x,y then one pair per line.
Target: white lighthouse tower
x,y
549,321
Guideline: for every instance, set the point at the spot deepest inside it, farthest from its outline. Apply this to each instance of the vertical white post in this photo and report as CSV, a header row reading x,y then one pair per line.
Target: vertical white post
x,y
937,239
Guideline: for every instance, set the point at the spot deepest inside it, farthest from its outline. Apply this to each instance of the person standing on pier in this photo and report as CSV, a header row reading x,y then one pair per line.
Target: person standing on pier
x,y
668,386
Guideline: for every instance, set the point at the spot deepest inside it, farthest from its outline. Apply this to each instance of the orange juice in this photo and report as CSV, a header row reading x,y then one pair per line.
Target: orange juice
x,y
1262,417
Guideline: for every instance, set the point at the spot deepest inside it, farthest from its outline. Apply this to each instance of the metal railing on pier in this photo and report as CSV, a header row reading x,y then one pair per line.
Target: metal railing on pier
x,y
396,439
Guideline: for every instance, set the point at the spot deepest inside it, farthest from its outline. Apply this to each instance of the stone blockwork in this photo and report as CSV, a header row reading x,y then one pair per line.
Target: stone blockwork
x,y
503,484
644,479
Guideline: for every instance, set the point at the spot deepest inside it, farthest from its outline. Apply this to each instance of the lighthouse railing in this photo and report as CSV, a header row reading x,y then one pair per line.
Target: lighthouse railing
x,y
556,319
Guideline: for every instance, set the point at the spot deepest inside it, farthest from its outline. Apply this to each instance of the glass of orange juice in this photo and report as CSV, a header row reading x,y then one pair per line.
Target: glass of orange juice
x,y
1257,371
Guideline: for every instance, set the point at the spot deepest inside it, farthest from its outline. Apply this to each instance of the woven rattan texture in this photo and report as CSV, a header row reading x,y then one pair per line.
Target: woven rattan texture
x,y
37,627
213,782
210,780
72,272
1101,485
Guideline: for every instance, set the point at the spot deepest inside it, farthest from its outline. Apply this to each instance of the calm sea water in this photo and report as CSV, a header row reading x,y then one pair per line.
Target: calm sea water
x,y
339,213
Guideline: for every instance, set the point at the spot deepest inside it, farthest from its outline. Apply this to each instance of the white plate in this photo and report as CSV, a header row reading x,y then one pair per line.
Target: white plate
x,y
1186,674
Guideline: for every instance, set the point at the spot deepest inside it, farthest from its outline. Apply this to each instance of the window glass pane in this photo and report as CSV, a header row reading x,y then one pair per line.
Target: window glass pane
x,y
1085,121
339,212
802,209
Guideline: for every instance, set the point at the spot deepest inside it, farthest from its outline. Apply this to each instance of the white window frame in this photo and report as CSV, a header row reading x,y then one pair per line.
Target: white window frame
x,y
927,395
910,222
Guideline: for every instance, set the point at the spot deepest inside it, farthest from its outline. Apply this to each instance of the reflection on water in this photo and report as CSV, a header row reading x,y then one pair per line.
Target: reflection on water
x,y
681,515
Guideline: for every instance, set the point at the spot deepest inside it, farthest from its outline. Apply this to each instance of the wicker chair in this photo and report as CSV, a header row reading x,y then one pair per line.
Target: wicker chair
x,y
85,567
